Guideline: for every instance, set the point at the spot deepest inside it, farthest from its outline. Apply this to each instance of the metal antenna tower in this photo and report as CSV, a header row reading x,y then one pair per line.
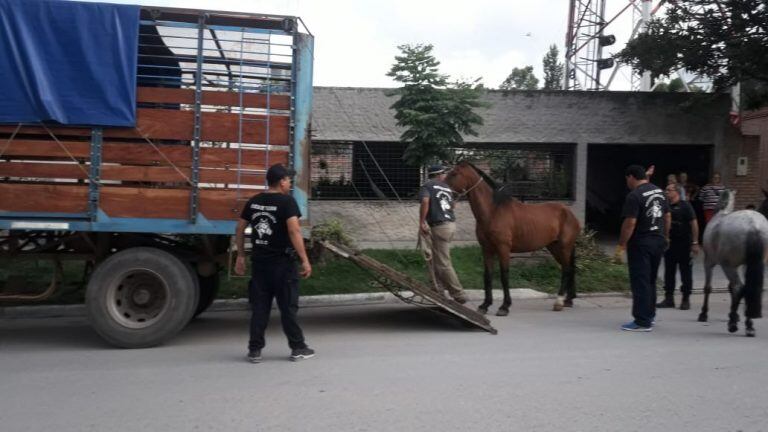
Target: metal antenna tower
x,y
588,33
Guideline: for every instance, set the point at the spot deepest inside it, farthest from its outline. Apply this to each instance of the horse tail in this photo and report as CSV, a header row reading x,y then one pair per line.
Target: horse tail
x,y
753,278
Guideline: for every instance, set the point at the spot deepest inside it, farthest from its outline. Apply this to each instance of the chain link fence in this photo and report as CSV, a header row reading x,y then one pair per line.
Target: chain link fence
x,y
377,170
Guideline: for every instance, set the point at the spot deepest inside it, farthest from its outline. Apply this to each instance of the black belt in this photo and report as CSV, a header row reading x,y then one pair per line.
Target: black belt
x,y
434,224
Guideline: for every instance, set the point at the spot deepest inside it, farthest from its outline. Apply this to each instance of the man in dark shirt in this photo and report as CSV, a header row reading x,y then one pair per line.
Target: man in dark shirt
x,y
683,240
276,241
436,229
644,235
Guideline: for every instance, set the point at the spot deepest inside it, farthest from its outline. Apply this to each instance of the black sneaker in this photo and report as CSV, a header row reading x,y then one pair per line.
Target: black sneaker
x,y
685,304
302,354
254,356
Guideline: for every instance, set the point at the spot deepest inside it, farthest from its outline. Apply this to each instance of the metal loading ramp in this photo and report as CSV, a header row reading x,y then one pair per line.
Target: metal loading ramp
x,y
409,289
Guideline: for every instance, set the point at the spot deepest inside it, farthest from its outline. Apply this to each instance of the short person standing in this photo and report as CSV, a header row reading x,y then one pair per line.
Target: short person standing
x,y
276,237
644,235
710,196
436,229
683,241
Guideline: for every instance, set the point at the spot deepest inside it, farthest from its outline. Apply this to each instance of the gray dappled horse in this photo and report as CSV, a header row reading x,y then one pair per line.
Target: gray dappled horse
x,y
732,239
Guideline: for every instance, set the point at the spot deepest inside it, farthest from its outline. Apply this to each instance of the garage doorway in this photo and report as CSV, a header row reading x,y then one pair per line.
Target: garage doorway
x,y
606,188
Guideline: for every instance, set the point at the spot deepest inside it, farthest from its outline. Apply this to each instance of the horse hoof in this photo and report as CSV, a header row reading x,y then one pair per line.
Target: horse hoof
x,y
733,328
750,332
482,310
557,307
702,318
568,303
502,312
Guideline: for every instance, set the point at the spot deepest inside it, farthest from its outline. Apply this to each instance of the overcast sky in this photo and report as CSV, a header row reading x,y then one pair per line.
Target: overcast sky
x,y
356,40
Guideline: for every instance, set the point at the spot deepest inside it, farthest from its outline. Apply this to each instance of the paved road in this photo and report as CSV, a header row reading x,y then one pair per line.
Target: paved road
x,y
395,368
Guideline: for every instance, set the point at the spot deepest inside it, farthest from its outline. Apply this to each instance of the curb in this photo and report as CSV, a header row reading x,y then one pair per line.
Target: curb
x,y
241,304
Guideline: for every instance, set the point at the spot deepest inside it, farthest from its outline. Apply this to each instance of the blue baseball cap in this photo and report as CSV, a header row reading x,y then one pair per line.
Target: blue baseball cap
x,y
435,169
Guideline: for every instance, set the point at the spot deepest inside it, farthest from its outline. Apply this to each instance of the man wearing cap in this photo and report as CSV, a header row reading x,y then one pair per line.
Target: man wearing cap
x,y
436,229
276,241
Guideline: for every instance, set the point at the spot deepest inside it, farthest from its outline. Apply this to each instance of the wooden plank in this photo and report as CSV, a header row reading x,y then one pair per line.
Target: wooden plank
x,y
127,173
47,149
144,202
43,198
218,98
231,177
165,124
145,154
223,157
223,127
44,170
215,204
223,204
122,201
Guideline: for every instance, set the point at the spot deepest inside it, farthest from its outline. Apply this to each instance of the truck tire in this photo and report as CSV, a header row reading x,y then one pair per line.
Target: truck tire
x,y
141,297
209,288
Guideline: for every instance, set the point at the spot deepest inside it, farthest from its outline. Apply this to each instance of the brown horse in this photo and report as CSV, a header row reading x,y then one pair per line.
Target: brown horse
x,y
506,225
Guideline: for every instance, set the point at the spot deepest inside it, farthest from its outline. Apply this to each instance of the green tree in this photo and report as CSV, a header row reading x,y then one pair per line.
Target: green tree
x,y
676,86
520,79
553,70
726,41
434,112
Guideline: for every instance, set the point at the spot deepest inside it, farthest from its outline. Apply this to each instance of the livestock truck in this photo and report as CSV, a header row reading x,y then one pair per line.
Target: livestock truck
x,y
130,139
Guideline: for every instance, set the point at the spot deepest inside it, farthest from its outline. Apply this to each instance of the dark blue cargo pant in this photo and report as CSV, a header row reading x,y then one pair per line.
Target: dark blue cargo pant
x,y
643,258
274,278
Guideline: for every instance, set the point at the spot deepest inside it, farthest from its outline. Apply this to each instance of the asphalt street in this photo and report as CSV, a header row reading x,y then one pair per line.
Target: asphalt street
x,y
395,368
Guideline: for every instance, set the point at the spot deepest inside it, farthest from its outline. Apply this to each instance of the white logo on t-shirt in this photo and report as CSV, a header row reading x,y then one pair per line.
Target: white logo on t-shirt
x,y
263,228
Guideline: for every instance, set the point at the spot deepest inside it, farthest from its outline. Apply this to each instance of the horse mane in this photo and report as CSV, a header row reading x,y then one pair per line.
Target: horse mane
x,y
727,200
491,182
500,195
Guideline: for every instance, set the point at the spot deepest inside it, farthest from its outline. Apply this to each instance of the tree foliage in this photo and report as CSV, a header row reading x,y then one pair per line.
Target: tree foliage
x,y
725,40
435,112
553,70
675,86
520,79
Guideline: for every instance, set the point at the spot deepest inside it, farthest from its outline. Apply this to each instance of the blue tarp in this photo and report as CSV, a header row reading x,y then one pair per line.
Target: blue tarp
x,y
68,62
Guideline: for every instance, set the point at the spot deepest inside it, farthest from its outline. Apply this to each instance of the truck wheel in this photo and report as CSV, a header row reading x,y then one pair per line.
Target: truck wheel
x,y
209,287
140,297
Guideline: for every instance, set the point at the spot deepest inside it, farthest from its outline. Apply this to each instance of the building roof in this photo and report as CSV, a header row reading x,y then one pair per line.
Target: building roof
x,y
364,114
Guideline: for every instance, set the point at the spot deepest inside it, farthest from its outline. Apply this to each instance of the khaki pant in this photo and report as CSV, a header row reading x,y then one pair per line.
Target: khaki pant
x,y
436,249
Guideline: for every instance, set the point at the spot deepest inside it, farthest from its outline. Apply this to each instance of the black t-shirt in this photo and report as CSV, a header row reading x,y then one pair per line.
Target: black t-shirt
x,y
682,215
648,205
267,214
440,201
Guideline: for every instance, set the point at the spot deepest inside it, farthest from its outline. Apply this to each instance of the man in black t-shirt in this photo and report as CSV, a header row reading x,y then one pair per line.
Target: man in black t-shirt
x,y
276,241
645,236
683,240
436,230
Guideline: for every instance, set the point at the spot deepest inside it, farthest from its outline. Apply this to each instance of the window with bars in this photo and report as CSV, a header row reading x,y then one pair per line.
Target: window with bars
x,y
377,170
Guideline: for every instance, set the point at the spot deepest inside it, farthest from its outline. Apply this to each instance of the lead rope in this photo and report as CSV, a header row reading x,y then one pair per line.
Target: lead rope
x,y
463,194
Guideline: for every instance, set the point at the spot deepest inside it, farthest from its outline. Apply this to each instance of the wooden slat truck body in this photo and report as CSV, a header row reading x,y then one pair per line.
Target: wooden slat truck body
x,y
220,97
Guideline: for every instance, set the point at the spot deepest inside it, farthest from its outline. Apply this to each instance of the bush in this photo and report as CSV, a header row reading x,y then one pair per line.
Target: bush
x,y
587,248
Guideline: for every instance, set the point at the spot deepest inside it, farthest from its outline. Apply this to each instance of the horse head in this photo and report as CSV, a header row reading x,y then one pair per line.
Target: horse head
x,y
726,201
463,177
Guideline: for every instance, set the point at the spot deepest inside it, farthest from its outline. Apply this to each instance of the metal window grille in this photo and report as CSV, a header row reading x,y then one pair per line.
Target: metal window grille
x,y
365,170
